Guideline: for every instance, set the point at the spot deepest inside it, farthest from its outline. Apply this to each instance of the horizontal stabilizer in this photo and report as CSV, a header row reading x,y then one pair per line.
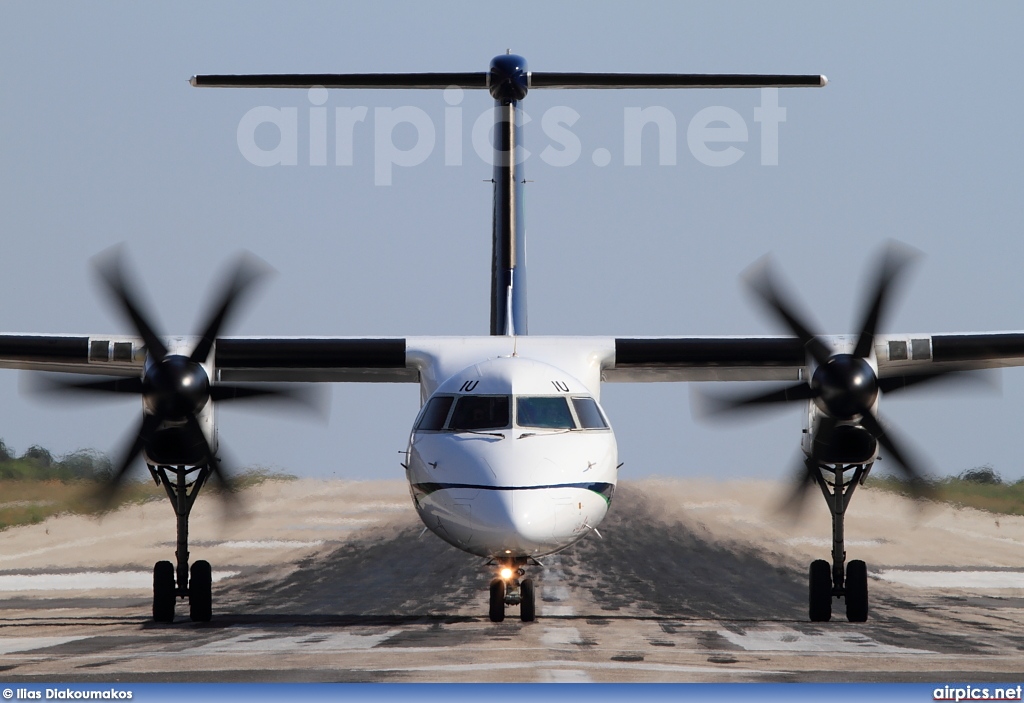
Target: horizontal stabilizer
x,y
479,80
672,80
409,81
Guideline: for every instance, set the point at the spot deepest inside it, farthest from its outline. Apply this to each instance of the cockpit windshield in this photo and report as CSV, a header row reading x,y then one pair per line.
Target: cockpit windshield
x,y
550,412
435,413
590,415
494,412
480,412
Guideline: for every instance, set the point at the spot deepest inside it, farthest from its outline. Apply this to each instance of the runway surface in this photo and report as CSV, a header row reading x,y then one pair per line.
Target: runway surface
x,y
691,581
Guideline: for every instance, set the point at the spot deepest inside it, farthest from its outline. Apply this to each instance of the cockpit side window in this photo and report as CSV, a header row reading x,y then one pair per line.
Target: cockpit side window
x,y
480,412
435,413
551,412
589,414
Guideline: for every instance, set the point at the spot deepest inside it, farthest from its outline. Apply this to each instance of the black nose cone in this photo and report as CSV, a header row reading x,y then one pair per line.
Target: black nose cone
x,y
508,80
175,387
846,386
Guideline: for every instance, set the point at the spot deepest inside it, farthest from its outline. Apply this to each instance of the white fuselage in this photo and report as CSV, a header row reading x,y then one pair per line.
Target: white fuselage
x,y
529,474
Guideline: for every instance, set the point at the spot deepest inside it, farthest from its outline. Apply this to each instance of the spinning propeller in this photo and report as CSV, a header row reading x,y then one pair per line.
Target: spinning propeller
x,y
844,385
175,388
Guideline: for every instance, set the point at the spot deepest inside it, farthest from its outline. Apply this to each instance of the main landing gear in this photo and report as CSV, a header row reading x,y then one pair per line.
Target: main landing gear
x,y
849,582
171,582
510,588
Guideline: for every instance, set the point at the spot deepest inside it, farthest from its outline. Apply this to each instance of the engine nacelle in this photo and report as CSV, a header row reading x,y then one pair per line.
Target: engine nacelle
x,y
848,444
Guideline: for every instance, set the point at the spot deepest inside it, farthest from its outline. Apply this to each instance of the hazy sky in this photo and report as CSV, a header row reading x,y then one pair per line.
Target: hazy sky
x,y
918,137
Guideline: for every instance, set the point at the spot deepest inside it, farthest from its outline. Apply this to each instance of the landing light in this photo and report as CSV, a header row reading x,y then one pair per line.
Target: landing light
x,y
506,573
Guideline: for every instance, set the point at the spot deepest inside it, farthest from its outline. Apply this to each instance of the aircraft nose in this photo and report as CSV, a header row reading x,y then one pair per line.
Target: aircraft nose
x,y
519,519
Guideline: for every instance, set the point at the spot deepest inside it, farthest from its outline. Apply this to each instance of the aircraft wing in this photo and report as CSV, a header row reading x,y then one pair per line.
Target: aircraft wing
x,y
978,350
617,360
107,355
335,359
354,359
654,359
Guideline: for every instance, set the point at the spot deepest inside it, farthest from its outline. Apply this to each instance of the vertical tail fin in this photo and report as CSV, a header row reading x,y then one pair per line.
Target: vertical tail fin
x,y
508,79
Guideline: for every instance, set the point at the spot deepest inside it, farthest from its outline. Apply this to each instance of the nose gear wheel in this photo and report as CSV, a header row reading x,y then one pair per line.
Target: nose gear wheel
x,y
511,591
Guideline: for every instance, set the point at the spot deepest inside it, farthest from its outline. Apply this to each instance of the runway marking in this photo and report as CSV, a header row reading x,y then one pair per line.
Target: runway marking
x,y
981,535
555,591
327,528
268,544
819,542
826,642
379,507
346,521
746,520
263,641
564,676
554,636
955,579
10,645
571,666
711,504
87,580
64,545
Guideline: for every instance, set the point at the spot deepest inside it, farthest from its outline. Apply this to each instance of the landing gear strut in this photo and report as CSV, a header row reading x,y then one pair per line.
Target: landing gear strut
x,y
510,588
170,582
842,580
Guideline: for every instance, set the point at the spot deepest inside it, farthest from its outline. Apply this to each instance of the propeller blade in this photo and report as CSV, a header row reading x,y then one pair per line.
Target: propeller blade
x,y
62,384
46,383
248,269
807,475
713,404
894,260
108,491
760,280
988,378
110,267
916,478
227,488
314,398
804,483
223,392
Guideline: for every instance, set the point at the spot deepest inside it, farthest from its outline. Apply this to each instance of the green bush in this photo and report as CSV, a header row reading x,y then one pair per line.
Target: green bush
x,y
981,488
984,475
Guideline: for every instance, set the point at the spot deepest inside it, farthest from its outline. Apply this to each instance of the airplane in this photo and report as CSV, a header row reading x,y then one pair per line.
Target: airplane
x,y
511,456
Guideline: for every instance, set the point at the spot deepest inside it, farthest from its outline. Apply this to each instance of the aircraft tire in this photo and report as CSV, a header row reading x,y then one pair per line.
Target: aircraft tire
x,y
200,592
857,591
528,604
163,591
820,609
497,610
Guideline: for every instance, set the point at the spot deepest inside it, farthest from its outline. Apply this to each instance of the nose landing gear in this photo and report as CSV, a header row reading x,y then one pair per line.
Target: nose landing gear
x,y
171,581
842,580
510,588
